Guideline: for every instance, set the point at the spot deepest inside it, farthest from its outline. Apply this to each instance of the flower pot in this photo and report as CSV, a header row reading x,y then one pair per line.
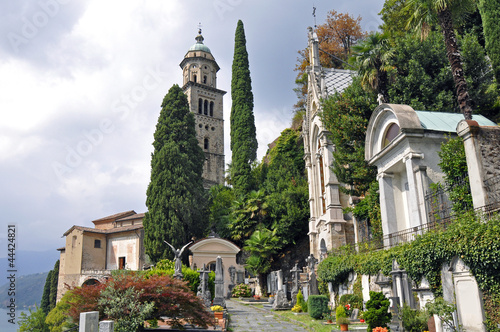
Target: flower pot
x,y
271,300
344,327
329,321
218,314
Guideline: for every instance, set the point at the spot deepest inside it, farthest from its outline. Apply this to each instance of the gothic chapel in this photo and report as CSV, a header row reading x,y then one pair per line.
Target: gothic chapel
x,y
199,70
329,227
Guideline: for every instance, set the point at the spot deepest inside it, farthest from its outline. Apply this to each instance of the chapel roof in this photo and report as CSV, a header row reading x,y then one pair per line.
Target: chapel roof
x,y
447,122
337,80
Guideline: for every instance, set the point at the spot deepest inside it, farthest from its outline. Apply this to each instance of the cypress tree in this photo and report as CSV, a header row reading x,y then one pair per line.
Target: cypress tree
x,y
45,303
53,286
175,195
490,9
243,134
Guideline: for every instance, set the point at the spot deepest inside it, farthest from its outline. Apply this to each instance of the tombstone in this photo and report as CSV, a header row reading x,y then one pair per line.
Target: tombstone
x,y
280,301
89,321
219,283
232,280
203,290
396,324
469,298
295,283
401,285
354,314
424,293
107,326
279,280
313,282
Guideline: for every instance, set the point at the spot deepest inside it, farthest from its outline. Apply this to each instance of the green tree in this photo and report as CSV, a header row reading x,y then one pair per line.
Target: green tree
x,y
58,318
394,14
220,200
243,133
490,11
35,321
45,303
53,286
423,78
346,116
261,245
247,213
454,165
376,313
480,79
425,13
124,306
175,195
372,59
287,188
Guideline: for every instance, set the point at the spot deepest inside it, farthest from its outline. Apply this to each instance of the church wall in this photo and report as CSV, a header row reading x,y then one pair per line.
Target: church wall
x,y
123,246
93,258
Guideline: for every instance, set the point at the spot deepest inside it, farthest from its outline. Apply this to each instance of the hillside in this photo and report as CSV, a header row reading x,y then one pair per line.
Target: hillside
x,y
29,289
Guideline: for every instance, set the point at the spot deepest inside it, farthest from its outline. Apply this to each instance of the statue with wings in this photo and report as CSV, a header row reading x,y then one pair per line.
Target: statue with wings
x,y
178,262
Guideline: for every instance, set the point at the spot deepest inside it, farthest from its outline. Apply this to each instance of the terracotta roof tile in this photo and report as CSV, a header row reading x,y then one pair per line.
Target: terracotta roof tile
x,y
116,216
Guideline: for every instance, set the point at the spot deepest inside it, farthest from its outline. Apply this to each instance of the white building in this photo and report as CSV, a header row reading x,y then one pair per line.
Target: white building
x,y
328,226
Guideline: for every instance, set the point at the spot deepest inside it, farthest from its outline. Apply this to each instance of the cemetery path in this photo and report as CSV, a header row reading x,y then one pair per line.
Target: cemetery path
x,y
248,318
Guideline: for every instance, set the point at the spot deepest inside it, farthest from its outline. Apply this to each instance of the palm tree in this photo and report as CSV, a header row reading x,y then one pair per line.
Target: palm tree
x,y
261,245
426,13
372,59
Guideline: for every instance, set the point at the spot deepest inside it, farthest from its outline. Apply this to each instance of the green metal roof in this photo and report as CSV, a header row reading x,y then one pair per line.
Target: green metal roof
x,y
200,47
447,122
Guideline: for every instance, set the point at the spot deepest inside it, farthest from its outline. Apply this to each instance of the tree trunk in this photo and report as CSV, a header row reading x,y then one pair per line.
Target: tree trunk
x,y
453,53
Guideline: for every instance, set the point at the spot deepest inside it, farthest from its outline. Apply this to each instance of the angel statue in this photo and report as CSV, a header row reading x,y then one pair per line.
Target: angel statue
x,y
178,263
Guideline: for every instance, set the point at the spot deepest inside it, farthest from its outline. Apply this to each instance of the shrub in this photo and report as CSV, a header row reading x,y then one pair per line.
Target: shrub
x,y
414,320
301,302
376,314
297,308
355,301
242,290
340,312
171,298
58,319
317,306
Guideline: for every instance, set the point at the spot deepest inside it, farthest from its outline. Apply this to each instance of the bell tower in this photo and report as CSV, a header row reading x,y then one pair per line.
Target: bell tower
x,y
199,71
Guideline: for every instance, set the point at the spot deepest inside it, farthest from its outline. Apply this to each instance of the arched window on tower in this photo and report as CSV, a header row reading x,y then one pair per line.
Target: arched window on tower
x,y
205,111
211,108
200,106
205,144
205,79
194,78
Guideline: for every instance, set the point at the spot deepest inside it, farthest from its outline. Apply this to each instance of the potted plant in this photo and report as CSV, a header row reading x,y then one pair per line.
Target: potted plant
x,y
329,318
343,323
218,311
271,299
341,318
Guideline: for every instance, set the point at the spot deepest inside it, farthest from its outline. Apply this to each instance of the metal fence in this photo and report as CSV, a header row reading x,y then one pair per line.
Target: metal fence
x,y
443,204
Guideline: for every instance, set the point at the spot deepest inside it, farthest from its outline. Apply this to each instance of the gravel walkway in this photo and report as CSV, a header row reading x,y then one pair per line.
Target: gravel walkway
x,y
248,318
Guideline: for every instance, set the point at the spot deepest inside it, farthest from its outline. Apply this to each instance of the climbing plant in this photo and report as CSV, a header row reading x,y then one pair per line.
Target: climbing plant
x,y
470,237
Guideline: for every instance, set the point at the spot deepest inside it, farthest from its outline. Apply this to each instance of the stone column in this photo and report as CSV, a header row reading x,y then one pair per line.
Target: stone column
x,y
387,205
468,129
413,201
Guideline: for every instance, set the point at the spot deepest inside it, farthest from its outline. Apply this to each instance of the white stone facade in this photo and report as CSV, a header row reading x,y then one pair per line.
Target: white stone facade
x,y
328,226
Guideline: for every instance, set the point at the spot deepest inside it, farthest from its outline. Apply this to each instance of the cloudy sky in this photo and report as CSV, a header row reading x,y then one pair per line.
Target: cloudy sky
x,y
81,83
